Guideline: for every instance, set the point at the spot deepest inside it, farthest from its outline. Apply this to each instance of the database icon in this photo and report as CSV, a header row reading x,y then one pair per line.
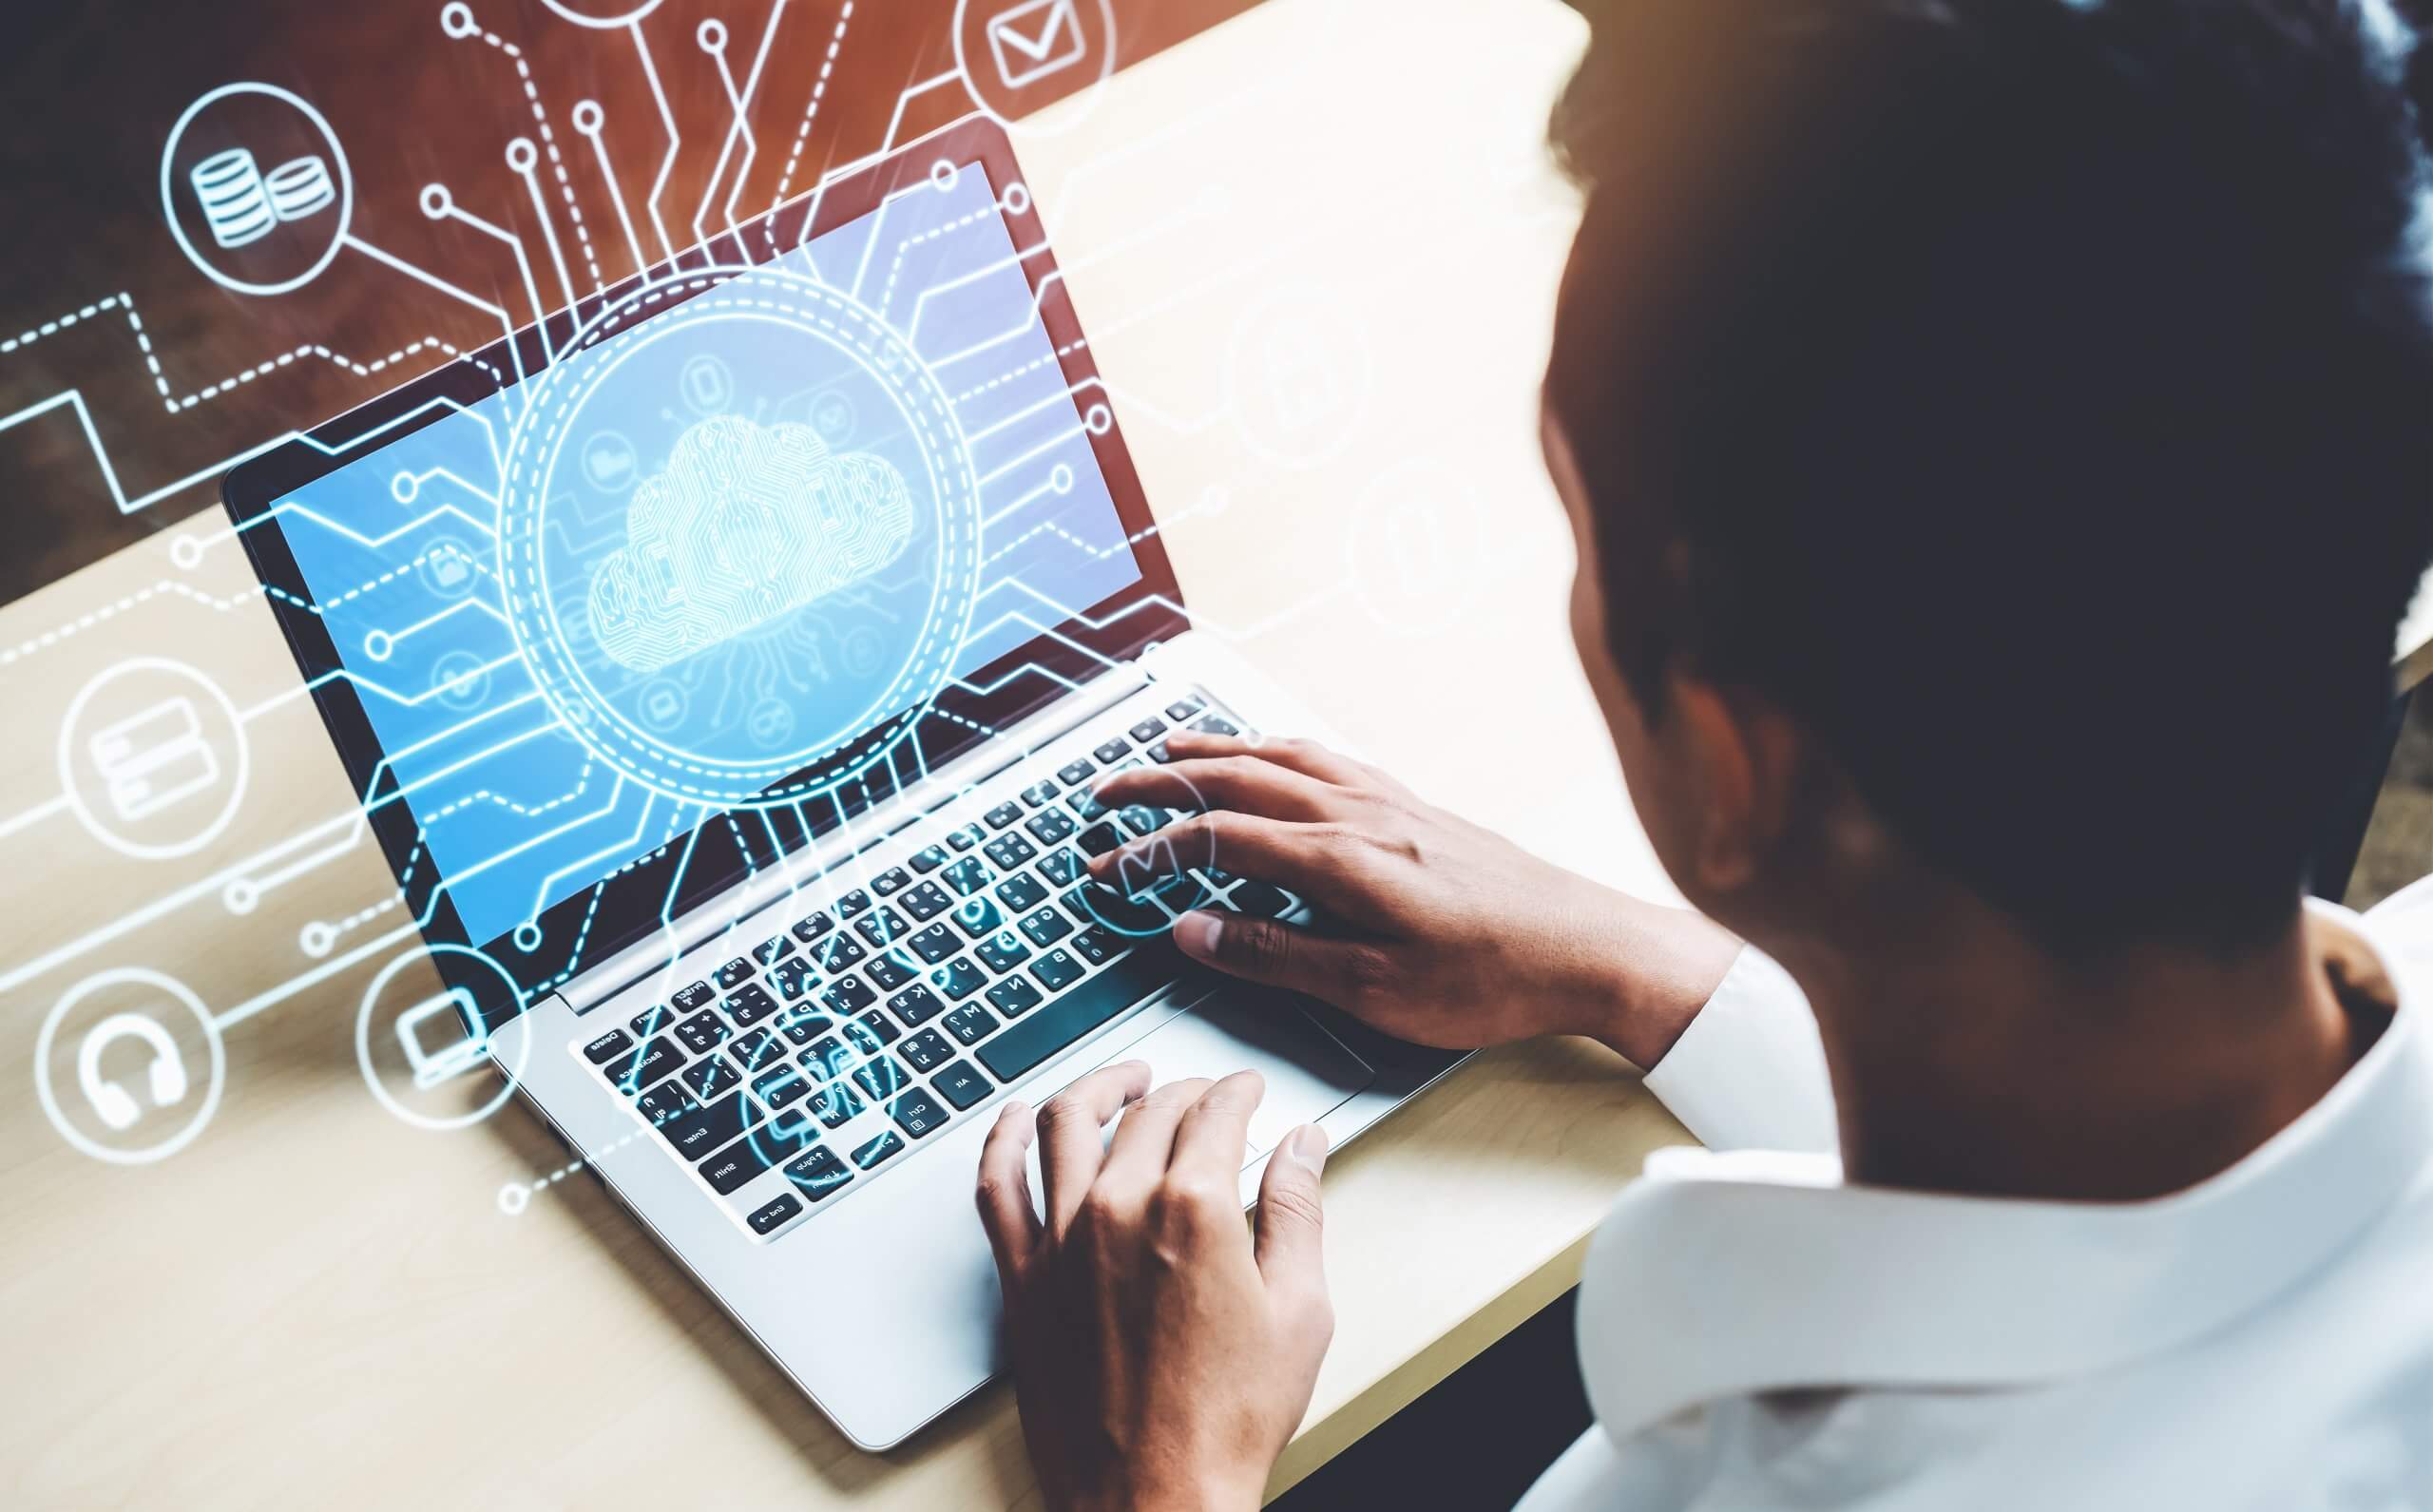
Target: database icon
x,y
242,205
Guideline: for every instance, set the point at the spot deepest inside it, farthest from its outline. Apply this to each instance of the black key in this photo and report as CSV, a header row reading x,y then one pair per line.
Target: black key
x,y
840,952
852,902
1098,945
927,1051
1217,877
1057,970
1062,868
1141,820
916,1113
959,978
663,1103
916,1006
883,929
1045,927
971,1023
1181,893
1030,1041
712,1126
848,995
1147,730
750,1006
1010,851
890,969
1085,803
811,929
926,902
735,1166
1100,838
879,1149
773,948
606,1048
794,978
1002,815
865,1042
1002,951
1014,997
651,1020
1021,893
880,1026
1074,773
818,1172
835,1105
1113,751
757,1048
978,918
968,875
654,1060
965,838
1050,825
781,1088
961,1085
785,1133
1183,709
775,1215
829,1058
1217,724
801,1028
890,882
929,858
1162,752
1039,793
1097,903
1258,898
708,1079
882,1078
936,942
697,995
703,1032
733,974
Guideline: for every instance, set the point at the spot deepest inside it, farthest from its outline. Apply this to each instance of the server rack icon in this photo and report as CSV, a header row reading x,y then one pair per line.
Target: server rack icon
x,y
154,760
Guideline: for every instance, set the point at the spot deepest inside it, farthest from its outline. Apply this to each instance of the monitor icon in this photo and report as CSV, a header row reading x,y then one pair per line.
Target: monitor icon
x,y
450,1047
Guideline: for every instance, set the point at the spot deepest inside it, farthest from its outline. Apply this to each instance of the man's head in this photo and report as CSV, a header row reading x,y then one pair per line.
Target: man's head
x,y
2001,438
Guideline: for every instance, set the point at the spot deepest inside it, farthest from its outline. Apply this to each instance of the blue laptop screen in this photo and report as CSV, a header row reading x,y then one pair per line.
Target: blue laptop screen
x,y
401,552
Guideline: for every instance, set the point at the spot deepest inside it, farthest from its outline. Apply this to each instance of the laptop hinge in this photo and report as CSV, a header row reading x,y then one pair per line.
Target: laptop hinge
x,y
653,953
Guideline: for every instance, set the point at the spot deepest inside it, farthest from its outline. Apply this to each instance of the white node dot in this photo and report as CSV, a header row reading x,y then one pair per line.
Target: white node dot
x,y
1061,479
436,201
942,175
514,1198
1098,419
1018,198
315,939
589,117
711,36
241,896
186,553
521,154
456,19
528,937
404,486
379,644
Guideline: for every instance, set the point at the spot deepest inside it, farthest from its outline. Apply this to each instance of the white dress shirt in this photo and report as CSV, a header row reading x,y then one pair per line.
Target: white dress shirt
x,y
1755,1333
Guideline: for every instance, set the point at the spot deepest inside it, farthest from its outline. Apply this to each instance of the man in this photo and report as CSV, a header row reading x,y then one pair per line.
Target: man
x,y
1995,437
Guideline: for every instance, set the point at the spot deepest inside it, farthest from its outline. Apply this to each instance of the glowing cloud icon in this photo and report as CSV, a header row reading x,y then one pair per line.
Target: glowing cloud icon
x,y
748,523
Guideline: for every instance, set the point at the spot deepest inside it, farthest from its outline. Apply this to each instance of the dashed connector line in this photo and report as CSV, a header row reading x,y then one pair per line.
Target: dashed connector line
x,y
361,370
811,113
549,145
895,269
1032,366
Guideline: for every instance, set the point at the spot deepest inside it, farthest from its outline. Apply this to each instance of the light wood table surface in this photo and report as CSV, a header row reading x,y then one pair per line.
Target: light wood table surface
x,y
315,1304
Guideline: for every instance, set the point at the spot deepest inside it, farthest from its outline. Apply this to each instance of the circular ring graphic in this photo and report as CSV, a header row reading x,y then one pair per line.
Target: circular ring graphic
x,y
602,22
161,760
345,189
1300,374
1156,882
639,746
1417,542
175,992
513,1078
1028,46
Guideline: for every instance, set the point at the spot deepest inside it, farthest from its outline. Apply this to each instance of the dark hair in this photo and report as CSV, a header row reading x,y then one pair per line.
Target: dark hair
x,y
2034,397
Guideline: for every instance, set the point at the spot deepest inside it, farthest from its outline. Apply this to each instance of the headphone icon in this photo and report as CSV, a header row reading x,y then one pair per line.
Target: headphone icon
x,y
116,1105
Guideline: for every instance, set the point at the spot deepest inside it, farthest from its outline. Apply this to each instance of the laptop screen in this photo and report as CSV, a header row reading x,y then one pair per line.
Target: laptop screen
x,y
727,537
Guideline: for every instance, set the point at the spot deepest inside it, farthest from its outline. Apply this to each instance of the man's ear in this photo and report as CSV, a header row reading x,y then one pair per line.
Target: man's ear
x,y
1746,756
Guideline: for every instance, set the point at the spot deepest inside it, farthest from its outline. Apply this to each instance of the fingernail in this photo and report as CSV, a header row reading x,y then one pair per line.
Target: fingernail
x,y
1307,1144
1197,934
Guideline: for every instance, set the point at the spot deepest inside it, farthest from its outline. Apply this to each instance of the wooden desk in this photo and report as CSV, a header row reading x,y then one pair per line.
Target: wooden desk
x,y
314,1302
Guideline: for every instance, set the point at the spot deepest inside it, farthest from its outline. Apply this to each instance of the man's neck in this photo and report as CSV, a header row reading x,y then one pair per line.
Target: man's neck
x,y
1985,1065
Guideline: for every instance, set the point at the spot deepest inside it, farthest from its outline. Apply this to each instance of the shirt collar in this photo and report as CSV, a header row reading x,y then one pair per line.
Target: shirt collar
x,y
1726,1274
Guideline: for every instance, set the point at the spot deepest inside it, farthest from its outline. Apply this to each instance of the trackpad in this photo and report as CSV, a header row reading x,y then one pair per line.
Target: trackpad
x,y
1308,1073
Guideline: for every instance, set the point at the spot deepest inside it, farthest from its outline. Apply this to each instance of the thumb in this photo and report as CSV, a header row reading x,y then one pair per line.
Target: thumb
x,y
1292,1216
1267,952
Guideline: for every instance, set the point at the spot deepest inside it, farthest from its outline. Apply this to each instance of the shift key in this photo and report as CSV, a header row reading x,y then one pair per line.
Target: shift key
x,y
1041,1033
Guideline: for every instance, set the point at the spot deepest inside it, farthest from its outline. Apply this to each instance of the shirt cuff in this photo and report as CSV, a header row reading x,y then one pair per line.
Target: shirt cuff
x,y
1749,1072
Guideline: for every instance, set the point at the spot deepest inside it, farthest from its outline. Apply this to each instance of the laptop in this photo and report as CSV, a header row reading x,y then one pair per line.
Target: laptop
x,y
724,665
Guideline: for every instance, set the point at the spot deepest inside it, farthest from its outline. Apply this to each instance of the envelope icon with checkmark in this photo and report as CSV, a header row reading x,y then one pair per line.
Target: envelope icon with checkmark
x,y
1036,40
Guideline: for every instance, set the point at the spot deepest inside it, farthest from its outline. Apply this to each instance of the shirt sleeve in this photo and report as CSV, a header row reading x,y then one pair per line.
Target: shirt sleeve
x,y
1749,1072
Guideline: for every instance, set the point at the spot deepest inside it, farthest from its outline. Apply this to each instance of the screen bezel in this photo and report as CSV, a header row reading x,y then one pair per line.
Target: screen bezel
x,y
581,930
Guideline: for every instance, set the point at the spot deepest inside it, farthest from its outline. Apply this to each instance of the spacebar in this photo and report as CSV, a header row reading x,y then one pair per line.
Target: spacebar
x,y
1152,965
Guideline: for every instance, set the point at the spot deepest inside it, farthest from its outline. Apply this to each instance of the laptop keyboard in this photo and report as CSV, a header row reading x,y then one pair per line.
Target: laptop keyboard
x,y
904,993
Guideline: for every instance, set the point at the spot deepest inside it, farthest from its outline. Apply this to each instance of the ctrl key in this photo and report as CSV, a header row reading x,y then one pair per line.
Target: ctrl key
x,y
817,1173
776,1215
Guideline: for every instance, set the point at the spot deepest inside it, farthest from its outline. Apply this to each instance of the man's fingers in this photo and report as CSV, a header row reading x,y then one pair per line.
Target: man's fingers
x,y
1242,783
1214,1134
1072,1142
1004,1192
1314,859
1280,955
1137,1157
1291,1255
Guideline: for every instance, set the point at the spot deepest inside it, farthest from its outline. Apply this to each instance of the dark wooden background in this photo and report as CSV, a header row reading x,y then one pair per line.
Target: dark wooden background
x,y
93,87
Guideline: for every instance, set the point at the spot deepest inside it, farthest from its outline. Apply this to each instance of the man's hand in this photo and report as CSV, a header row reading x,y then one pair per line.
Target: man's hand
x,y
1161,1356
1433,930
